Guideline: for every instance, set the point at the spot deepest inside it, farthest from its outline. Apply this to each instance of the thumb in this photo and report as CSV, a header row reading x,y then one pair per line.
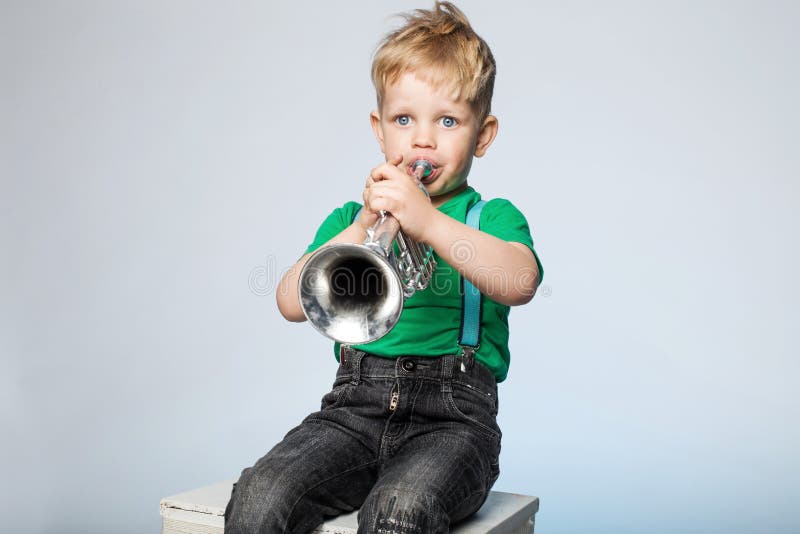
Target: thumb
x,y
396,160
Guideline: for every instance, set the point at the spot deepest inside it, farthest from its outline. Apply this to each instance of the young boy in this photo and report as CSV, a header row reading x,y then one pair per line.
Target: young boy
x,y
408,433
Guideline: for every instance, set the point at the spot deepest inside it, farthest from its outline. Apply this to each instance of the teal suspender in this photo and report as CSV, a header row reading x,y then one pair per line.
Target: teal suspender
x,y
470,334
471,308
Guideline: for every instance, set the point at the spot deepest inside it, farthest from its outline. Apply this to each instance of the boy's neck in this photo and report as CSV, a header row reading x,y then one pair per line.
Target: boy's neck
x,y
439,200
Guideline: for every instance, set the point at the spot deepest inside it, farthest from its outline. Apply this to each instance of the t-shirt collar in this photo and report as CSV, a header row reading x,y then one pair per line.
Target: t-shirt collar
x,y
460,198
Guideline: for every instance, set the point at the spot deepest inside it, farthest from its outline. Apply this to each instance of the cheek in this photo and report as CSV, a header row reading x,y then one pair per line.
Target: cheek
x,y
460,156
392,139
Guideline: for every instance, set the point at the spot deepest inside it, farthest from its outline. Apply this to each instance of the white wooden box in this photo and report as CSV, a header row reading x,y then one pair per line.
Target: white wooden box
x,y
202,511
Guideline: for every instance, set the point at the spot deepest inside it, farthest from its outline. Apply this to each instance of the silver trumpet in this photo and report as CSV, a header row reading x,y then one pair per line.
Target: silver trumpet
x,y
355,293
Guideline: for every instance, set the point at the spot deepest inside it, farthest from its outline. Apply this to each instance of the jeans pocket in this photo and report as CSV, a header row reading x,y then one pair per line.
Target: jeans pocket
x,y
337,396
474,408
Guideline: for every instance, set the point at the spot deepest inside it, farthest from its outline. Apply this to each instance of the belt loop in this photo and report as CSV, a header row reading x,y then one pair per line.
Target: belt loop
x,y
448,363
355,358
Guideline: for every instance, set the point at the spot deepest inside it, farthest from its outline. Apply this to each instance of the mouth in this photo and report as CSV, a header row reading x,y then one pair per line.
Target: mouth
x,y
434,171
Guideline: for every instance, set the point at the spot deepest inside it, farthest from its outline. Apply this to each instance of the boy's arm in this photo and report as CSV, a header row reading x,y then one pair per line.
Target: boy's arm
x,y
288,295
504,271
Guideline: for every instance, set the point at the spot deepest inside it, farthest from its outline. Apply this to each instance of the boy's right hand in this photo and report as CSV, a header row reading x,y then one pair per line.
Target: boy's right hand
x,y
367,218
390,187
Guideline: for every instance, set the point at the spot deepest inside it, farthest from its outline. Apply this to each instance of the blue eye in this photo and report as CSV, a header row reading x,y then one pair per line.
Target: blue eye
x,y
403,120
448,122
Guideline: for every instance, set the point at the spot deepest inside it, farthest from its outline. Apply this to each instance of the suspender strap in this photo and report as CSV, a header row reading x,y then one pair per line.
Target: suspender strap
x,y
471,304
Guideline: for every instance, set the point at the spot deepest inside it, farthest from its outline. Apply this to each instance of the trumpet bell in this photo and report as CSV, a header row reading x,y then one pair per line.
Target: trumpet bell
x,y
351,293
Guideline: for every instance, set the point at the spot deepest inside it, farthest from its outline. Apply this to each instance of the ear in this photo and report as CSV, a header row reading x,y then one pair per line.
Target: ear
x,y
486,135
375,120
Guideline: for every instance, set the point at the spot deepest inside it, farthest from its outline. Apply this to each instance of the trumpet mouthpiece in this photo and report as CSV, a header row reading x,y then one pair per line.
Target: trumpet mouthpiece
x,y
422,168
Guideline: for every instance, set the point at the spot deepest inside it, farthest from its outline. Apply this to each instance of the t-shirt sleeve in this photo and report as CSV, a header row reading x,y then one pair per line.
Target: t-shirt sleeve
x,y
333,225
502,219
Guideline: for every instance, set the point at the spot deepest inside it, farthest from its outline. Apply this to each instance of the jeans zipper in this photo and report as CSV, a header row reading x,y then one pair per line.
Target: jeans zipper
x,y
394,398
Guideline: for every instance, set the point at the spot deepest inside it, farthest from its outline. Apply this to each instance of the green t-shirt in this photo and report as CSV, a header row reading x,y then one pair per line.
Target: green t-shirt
x,y
431,319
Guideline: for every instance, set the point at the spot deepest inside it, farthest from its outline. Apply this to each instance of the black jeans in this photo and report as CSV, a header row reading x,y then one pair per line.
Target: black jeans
x,y
413,442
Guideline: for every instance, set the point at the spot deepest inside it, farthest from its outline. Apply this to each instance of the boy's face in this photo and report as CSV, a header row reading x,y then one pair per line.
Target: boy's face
x,y
421,122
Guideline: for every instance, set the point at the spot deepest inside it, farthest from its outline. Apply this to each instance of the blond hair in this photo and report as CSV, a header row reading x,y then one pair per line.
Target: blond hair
x,y
441,45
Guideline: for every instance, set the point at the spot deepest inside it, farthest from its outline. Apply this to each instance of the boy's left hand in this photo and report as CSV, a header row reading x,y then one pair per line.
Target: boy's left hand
x,y
390,188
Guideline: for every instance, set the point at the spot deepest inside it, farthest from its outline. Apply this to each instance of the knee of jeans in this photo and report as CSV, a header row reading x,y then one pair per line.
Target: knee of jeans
x,y
400,511
257,504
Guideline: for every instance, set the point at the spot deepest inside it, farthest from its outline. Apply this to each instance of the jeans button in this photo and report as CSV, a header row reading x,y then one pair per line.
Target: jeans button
x,y
409,365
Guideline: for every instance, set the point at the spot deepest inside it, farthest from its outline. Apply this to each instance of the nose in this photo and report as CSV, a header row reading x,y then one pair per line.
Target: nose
x,y
423,137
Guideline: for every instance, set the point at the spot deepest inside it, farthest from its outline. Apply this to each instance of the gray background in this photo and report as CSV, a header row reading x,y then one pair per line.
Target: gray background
x,y
163,162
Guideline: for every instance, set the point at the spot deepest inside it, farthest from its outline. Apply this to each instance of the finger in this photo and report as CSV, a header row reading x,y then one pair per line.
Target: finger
x,y
387,171
378,204
375,175
386,188
396,160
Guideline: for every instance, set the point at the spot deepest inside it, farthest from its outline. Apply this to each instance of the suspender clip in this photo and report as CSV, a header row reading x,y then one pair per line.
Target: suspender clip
x,y
467,357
